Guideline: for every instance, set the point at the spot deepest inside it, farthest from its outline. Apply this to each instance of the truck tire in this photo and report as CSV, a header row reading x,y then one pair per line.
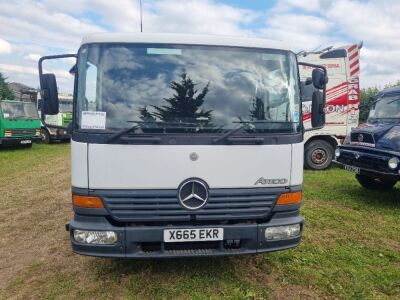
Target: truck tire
x,y
45,136
318,155
375,183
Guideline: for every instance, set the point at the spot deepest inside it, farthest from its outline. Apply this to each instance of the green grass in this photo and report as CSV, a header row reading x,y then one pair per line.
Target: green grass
x,y
350,249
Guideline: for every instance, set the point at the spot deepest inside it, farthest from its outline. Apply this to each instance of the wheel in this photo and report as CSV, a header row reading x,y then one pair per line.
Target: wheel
x,y
318,155
45,136
375,183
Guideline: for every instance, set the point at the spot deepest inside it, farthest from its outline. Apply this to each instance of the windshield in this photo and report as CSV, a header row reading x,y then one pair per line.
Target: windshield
x,y
19,110
386,108
196,89
65,106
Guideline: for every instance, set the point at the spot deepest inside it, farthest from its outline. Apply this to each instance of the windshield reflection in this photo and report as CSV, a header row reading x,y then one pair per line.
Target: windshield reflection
x,y
179,88
386,108
19,110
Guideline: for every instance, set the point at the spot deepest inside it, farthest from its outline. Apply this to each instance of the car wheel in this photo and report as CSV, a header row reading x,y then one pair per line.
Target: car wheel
x,y
375,183
318,155
45,136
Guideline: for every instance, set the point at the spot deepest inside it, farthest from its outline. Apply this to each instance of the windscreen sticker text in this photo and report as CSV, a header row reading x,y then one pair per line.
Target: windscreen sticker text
x,y
93,120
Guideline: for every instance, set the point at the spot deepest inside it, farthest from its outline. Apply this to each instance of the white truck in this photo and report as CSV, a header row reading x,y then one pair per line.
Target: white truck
x,y
185,145
342,101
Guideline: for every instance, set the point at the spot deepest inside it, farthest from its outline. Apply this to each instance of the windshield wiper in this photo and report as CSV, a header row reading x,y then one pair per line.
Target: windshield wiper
x,y
122,132
397,99
228,134
139,123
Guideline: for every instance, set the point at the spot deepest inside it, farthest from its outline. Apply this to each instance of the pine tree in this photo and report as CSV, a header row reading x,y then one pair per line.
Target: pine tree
x,y
145,115
5,92
185,104
258,111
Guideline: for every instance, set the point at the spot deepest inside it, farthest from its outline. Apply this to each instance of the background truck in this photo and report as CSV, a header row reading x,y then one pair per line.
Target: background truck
x,y
63,118
19,124
185,145
372,150
342,101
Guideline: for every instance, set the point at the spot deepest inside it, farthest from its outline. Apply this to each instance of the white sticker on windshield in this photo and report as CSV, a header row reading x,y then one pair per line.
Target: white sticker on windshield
x,y
164,51
6,115
93,120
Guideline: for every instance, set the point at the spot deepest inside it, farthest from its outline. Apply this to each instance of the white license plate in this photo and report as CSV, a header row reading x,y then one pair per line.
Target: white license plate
x,y
193,235
24,142
352,169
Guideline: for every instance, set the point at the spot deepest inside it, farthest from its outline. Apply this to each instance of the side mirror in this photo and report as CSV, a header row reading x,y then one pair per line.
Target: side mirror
x,y
49,93
308,81
319,79
317,110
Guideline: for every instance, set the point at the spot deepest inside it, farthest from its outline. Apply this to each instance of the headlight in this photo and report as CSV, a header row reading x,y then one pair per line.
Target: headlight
x,y
95,237
393,163
337,152
282,232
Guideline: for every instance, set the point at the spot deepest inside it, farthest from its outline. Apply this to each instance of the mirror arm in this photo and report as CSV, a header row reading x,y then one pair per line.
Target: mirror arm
x,y
42,92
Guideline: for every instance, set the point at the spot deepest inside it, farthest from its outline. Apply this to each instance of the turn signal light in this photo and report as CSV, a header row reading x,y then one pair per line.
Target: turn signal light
x,y
289,198
87,201
7,132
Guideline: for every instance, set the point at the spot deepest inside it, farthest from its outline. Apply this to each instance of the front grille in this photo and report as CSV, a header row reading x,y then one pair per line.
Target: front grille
x,y
22,131
365,160
163,205
190,247
362,138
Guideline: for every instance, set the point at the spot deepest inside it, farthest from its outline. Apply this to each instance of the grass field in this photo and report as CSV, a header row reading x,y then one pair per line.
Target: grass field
x,y
350,249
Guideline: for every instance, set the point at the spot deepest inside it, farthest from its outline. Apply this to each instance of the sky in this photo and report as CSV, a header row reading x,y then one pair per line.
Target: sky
x,y
31,29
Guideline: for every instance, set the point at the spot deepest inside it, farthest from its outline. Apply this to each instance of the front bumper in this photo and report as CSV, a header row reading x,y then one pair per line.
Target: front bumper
x,y
371,162
19,141
147,241
60,137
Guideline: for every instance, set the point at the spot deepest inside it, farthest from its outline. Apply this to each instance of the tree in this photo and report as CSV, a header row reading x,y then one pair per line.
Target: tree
x,y
366,99
258,111
5,92
185,104
145,115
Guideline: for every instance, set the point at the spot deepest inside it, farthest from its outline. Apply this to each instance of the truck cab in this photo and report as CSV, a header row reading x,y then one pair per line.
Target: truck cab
x,y
342,101
372,150
185,145
19,124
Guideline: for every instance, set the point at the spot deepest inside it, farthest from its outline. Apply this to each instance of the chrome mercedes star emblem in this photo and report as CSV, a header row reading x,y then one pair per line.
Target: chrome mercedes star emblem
x,y
193,194
360,137
193,156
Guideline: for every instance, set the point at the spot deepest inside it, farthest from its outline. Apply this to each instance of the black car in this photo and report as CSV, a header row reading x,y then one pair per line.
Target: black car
x,y
372,151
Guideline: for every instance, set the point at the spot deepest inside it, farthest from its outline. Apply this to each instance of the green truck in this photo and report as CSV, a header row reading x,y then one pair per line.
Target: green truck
x,y
19,124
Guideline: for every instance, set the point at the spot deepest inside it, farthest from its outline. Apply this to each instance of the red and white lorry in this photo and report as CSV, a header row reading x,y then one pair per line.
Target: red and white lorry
x,y
342,101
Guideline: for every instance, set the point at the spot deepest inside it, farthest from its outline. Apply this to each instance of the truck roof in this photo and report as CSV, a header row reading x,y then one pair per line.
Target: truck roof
x,y
390,91
184,39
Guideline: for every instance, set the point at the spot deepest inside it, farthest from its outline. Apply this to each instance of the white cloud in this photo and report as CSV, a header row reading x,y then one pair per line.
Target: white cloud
x,y
32,57
5,47
197,17
36,28
303,31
